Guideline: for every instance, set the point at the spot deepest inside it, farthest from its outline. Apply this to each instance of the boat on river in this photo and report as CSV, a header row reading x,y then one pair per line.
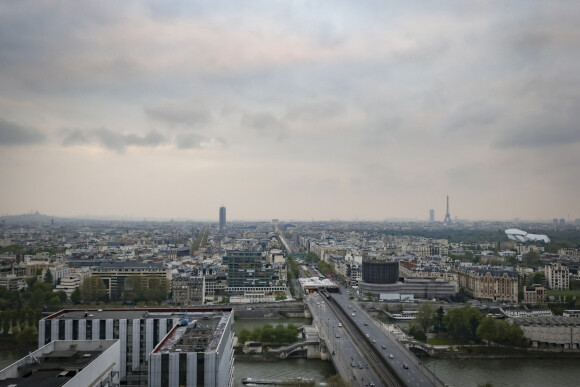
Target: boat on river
x,y
299,381
405,315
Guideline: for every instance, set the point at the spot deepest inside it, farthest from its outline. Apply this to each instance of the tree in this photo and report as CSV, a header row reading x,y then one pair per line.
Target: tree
x,y
516,335
538,277
311,257
532,259
244,336
75,296
438,325
462,323
93,289
425,315
280,334
267,334
61,294
487,330
417,333
502,332
6,322
48,277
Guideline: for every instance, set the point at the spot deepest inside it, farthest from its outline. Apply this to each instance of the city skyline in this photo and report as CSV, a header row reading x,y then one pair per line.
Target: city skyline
x,y
297,111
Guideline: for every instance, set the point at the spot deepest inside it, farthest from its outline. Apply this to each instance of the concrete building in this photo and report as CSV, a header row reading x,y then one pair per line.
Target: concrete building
x,y
553,331
188,290
431,215
197,354
67,364
114,274
424,288
12,282
557,276
489,283
139,331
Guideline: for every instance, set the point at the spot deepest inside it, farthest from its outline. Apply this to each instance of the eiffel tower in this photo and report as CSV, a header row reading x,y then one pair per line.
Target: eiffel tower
x,y
447,216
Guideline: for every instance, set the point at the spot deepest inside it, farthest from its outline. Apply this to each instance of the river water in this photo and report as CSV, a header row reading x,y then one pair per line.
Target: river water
x,y
510,372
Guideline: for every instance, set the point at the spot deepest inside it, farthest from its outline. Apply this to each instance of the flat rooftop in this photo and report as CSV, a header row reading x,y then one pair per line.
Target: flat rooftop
x,y
551,321
52,369
203,334
142,313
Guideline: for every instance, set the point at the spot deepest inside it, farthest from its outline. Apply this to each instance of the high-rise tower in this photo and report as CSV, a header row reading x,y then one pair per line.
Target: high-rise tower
x,y
222,218
431,215
447,216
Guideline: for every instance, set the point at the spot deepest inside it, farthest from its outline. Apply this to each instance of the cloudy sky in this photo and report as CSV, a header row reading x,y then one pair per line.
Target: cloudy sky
x,y
290,109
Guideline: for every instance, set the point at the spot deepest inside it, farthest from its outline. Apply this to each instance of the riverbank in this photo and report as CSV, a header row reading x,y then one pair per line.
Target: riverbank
x,y
484,352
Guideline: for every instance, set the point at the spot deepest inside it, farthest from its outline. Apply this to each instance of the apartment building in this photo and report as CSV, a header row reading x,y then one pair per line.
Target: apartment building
x,y
557,276
489,283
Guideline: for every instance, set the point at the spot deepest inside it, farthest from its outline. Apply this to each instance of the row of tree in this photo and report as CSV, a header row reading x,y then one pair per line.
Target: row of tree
x,y
464,325
269,334
37,295
292,268
12,320
135,289
500,332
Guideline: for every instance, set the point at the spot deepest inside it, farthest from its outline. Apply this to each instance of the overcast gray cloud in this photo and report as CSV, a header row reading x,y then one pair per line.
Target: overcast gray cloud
x,y
188,116
13,134
112,140
264,124
388,105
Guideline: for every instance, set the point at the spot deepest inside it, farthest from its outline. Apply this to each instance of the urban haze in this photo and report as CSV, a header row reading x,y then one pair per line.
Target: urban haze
x,y
302,193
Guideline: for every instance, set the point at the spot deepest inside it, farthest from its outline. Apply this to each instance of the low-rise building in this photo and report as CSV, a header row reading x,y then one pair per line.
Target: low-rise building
x,y
535,294
67,363
553,331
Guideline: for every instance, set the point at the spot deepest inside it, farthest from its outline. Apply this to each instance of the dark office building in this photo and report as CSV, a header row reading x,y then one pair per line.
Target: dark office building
x,y
378,271
247,269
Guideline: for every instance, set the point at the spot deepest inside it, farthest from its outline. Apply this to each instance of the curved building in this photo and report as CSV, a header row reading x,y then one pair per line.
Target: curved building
x,y
381,279
377,271
522,236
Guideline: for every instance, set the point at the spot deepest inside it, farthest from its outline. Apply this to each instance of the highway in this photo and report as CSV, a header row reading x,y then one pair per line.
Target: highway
x,y
403,367
347,358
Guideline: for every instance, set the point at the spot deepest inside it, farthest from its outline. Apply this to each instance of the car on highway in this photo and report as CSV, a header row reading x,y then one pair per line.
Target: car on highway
x,y
391,356
340,325
337,336
405,366
353,313
374,341
383,346
360,366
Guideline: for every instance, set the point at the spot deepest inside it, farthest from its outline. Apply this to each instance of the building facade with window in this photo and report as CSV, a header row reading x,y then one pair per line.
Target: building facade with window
x,y
138,330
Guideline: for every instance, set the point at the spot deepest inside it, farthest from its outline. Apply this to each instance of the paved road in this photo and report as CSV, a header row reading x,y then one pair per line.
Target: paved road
x,y
416,374
346,354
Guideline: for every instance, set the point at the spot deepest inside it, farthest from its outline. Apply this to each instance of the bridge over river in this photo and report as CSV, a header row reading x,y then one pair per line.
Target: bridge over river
x,y
361,350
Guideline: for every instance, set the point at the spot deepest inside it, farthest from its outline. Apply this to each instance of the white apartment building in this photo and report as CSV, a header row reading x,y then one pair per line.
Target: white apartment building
x,y
557,276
